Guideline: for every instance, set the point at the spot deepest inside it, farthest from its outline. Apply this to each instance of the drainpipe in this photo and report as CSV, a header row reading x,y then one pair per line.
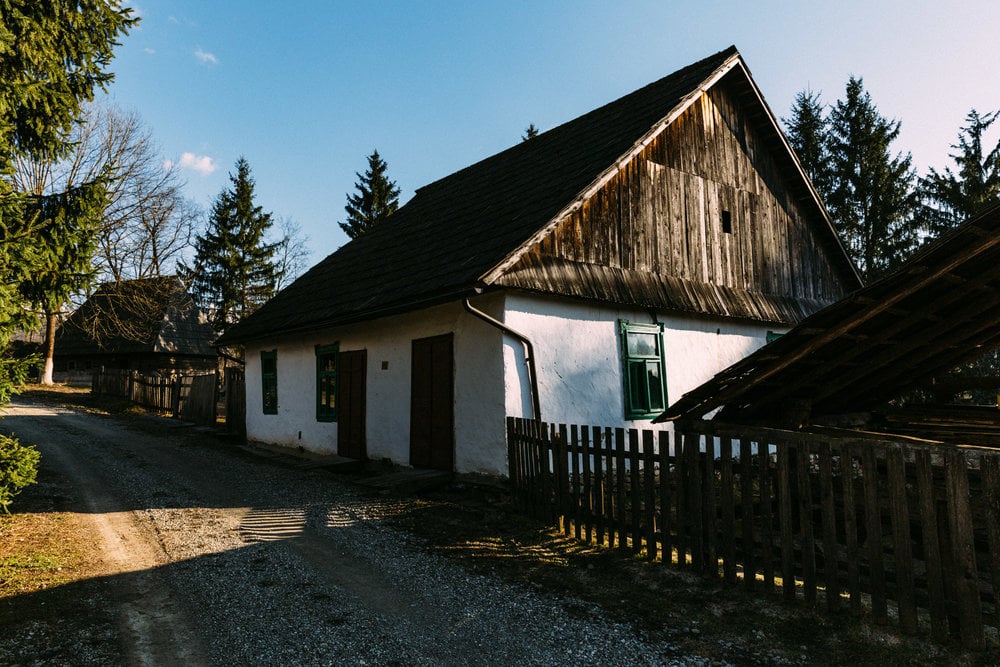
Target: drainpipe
x,y
529,353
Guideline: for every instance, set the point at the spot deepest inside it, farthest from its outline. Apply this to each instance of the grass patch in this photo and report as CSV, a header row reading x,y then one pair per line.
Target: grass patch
x,y
37,552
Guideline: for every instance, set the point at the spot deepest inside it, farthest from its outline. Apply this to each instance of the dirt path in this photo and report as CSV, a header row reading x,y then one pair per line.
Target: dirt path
x,y
212,557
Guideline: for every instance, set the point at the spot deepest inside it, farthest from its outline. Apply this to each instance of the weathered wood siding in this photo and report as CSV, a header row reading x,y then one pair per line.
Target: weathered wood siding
x,y
662,214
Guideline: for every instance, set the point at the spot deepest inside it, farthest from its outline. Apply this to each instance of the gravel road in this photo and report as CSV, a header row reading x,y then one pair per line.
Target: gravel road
x,y
221,558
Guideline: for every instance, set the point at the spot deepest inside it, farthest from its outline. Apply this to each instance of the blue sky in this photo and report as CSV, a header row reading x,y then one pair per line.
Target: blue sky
x,y
306,90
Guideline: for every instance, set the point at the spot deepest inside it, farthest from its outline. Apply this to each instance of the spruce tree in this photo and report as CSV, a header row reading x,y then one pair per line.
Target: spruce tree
x,y
56,56
234,269
68,225
376,199
530,132
807,134
952,197
872,199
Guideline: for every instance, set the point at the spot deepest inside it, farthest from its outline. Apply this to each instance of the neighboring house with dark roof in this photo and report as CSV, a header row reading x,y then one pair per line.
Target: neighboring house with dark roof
x,y
587,275
149,325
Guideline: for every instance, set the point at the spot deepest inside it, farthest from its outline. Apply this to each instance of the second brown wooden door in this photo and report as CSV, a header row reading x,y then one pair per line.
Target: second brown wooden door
x,y
351,406
432,399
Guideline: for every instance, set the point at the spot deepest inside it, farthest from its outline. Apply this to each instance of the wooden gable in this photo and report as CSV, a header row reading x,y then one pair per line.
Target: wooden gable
x,y
706,218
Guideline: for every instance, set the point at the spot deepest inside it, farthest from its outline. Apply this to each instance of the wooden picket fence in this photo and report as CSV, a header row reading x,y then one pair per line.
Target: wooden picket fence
x,y
190,397
905,531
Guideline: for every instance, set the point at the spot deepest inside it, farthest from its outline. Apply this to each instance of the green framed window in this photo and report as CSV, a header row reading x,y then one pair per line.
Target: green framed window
x,y
326,382
643,369
269,381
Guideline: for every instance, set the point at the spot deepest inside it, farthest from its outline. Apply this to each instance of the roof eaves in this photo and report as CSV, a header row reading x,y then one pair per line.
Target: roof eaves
x,y
235,338
602,179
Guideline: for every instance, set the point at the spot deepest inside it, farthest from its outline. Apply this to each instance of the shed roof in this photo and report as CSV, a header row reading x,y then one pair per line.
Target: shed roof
x,y
939,309
137,316
461,232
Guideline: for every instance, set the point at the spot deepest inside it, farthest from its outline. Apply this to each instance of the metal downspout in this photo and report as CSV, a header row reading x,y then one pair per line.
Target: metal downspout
x,y
529,353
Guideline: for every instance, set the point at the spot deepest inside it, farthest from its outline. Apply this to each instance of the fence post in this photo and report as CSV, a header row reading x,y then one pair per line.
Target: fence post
x,y
963,551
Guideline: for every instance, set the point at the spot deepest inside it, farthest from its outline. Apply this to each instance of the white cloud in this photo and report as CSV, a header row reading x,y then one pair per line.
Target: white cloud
x,y
206,57
168,164
149,50
202,164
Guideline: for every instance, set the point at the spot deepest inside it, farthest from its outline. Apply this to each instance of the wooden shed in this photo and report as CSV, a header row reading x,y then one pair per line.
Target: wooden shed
x,y
147,325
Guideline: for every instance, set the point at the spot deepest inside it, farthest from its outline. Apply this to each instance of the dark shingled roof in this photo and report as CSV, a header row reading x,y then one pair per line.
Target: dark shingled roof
x,y
456,230
137,316
938,310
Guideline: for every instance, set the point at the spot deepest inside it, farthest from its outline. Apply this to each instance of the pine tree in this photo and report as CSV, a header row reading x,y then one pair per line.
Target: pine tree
x,y
872,199
68,225
56,56
376,199
807,134
951,198
234,268
530,132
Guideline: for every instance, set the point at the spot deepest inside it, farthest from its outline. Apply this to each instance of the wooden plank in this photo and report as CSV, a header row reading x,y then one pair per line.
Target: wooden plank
x,y
649,491
728,509
931,546
620,516
900,516
587,511
635,489
966,584
600,510
681,489
559,475
851,552
609,486
692,447
766,516
709,513
787,528
746,520
574,479
666,479
829,514
989,464
808,545
873,526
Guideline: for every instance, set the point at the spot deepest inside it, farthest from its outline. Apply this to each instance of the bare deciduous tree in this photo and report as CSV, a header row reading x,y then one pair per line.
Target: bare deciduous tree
x,y
292,255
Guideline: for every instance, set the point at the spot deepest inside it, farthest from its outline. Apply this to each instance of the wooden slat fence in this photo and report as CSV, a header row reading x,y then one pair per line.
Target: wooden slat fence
x,y
908,532
189,397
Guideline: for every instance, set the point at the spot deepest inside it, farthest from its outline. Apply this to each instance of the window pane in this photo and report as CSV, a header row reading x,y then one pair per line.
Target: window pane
x,y
642,344
328,362
655,385
637,385
268,365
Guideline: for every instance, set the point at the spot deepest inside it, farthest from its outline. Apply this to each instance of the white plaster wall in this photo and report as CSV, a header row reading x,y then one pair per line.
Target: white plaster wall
x,y
578,356
479,392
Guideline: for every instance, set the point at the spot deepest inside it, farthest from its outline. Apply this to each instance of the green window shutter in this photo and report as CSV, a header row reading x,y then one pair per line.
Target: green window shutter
x,y
269,381
327,361
645,386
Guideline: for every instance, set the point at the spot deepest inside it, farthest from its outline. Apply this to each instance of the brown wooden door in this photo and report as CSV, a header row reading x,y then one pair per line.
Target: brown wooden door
x,y
351,404
432,400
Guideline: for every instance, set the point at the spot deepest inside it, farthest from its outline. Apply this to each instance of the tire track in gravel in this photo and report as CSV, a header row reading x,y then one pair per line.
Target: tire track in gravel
x,y
153,623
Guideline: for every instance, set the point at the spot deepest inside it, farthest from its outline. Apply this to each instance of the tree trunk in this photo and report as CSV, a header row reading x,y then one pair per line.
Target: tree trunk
x,y
50,347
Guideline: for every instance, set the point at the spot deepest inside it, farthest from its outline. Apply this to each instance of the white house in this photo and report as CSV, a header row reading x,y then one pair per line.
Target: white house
x,y
587,275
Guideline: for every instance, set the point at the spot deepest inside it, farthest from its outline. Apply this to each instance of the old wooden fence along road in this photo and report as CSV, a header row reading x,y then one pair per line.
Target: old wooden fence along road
x,y
906,531
188,397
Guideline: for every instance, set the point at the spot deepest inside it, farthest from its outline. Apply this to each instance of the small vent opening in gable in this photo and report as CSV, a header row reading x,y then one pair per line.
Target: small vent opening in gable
x,y
727,222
